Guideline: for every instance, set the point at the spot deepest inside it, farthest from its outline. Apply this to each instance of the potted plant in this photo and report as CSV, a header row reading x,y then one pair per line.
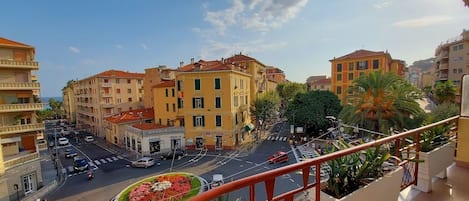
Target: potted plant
x,y
362,176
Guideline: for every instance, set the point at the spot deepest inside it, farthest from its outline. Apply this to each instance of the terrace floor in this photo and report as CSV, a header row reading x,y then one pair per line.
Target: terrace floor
x,y
453,188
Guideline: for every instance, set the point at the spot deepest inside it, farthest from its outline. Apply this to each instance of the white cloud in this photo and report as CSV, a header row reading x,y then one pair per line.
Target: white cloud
x,y
382,4
216,49
74,49
144,46
257,15
423,21
119,46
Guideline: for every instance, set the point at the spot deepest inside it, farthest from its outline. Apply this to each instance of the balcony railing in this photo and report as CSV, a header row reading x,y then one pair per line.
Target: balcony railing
x,y
269,177
19,86
21,107
106,85
34,65
443,66
21,128
106,95
22,159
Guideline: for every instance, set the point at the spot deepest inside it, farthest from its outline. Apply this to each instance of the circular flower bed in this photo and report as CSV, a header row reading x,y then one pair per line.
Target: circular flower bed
x,y
171,186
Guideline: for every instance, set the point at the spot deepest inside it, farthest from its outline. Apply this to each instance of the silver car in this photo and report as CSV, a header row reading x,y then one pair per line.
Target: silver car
x,y
143,162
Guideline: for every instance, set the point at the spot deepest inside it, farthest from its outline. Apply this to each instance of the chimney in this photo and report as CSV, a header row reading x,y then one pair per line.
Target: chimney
x,y
222,60
197,66
192,60
181,63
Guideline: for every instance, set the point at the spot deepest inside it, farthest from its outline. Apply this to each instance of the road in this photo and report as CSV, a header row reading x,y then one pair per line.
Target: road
x,y
113,174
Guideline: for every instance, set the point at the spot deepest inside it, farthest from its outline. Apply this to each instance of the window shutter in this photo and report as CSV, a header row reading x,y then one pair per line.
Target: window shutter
x,y
202,102
203,120
193,102
193,120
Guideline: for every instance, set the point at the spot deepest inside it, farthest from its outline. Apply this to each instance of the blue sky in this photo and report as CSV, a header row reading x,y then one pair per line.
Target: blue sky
x,y
77,39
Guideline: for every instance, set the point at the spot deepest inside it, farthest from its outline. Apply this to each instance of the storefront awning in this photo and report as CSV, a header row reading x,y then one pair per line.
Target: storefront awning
x,y
249,127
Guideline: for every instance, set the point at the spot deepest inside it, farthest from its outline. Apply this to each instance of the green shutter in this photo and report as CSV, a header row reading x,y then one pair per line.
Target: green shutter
x,y
193,121
202,102
193,102
197,84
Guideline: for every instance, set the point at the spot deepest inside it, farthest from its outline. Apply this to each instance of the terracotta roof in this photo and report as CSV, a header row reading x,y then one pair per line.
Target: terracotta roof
x,y
202,65
120,74
239,57
164,84
11,43
359,54
129,116
323,81
148,126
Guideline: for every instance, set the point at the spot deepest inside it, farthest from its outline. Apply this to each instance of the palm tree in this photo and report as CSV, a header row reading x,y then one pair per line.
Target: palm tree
x,y
381,102
445,91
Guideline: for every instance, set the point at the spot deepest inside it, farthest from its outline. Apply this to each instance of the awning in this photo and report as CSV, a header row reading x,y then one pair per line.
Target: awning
x,y
249,127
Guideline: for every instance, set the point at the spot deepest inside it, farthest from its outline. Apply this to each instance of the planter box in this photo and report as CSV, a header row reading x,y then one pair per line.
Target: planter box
x,y
434,163
386,188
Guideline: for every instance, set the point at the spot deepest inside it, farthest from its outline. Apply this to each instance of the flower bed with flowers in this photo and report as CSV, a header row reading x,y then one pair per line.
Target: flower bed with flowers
x,y
173,186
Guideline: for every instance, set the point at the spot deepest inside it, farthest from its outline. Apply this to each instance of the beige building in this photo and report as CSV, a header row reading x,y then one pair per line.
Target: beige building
x,y
19,129
106,94
154,76
320,84
452,59
151,139
116,125
68,95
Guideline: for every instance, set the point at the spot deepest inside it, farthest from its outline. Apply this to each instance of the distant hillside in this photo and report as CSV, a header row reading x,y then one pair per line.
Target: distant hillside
x,y
423,65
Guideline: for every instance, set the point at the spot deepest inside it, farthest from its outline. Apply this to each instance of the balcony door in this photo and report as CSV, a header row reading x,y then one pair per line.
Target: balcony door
x,y
29,183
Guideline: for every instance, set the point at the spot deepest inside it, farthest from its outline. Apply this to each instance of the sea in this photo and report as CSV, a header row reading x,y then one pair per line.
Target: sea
x,y
46,100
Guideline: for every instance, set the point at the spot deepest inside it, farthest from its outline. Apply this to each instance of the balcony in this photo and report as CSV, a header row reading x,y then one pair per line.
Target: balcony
x,y
21,107
85,113
19,86
33,65
107,105
443,76
443,66
452,188
106,85
21,128
106,95
20,159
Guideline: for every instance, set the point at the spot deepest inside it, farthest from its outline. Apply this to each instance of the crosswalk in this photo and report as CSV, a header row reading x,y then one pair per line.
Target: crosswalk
x,y
277,138
93,164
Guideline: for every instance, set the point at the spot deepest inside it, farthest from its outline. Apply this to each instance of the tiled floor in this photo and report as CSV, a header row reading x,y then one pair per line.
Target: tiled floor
x,y
454,188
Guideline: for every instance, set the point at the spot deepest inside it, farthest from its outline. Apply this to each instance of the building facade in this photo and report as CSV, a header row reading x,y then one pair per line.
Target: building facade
x,y
154,76
213,98
68,97
150,139
165,104
20,169
115,126
452,59
106,94
275,74
257,70
347,68
320,84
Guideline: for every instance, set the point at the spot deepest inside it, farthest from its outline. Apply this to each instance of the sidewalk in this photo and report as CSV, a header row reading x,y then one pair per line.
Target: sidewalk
x,y
114,149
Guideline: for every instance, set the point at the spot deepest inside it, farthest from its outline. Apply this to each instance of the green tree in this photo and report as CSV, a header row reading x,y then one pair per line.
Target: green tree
x,y
310,109
445,91
265,106
381,101
287,91
443,111
56,107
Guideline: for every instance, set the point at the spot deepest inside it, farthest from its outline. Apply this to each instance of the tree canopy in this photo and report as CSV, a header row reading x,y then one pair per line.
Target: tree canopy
x,y
445,91
266,106
287,91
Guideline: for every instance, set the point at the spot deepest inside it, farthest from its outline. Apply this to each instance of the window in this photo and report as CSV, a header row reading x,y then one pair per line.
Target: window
x,y
350,66
455,70
339,77
217,83
459,71
180,103
246,99
339,90
172,92
199,121
118,91
218,120
129,91
28,183
179,85
236,83
217,102
118,81
241,84
362,65
128,81
166,92
455,48
461,46
167,107
241,99
375,64
106,80
362,73
139,81
174,107
235,101
197,103
350,90
350,76
197,84
130,99
339,67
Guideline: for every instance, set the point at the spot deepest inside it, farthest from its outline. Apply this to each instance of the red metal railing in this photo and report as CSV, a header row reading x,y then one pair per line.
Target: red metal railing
x,y
268,178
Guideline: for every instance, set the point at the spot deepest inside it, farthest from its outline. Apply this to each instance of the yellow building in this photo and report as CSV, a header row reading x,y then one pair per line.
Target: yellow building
x,y
154,76
214,99
106,94
257,70
19,129
165,103
346,69
321,84
116,125
68,97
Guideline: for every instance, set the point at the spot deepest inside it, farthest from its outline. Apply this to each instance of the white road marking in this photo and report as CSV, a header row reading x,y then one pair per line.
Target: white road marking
x,y
110,160
97,162
103,161
114,158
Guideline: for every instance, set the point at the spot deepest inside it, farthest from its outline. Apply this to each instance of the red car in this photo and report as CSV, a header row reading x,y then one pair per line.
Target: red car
x,y
279,157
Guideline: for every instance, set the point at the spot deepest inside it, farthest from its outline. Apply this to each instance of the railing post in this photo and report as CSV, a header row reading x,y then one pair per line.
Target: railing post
x,y
417,150
318,181
397,148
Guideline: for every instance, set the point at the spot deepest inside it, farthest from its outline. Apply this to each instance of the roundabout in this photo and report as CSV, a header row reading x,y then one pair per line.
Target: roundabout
x,y
169,186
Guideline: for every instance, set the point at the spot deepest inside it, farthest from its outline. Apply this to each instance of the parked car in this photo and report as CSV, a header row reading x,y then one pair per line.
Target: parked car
x,y
217,180
89,138
70,153
80,164
169,155
279,157
143,162
63,141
